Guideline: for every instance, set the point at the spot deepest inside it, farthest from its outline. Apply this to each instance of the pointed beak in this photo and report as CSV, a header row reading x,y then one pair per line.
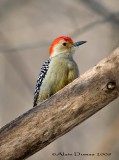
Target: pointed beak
x,y
76,44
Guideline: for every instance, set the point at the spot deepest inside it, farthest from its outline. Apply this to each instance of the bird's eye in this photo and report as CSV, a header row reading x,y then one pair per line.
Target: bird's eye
x,y
64,44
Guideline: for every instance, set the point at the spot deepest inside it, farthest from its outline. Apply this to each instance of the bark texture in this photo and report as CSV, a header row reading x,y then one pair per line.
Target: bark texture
x,y
41,125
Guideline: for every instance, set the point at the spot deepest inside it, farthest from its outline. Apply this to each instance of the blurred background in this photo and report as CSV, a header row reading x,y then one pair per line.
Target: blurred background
x,y
27,29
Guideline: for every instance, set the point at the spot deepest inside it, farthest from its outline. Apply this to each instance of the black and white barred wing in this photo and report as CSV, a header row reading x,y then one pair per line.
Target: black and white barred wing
x,y
41,76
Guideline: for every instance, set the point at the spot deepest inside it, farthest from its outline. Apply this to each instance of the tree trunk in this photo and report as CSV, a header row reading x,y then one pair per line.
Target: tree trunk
x,y
41,125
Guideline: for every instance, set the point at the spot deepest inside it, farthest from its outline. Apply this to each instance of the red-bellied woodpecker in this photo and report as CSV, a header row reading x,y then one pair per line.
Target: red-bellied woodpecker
x,y
59,70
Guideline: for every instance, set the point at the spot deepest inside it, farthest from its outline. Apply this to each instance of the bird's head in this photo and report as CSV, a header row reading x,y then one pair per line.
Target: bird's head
x,y
64,45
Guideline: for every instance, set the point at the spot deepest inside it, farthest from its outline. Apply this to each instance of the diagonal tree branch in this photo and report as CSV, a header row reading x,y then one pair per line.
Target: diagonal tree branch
x,y
72,105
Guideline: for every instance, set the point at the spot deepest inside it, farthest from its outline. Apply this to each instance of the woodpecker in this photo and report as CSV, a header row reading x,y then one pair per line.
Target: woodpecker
x,y
59,70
